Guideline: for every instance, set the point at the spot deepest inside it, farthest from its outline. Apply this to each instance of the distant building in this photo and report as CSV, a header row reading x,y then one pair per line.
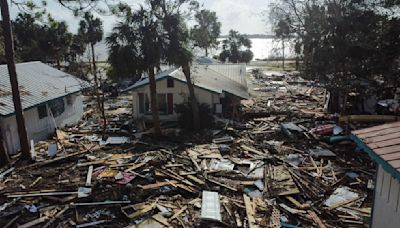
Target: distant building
x,y
221,86
45,93
382,143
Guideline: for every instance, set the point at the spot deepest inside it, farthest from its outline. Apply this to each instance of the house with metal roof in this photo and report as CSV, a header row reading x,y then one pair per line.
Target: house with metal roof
x,y
50,98
382,143
221,87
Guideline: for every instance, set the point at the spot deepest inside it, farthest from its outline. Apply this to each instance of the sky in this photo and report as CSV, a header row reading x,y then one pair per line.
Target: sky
x,y
244,16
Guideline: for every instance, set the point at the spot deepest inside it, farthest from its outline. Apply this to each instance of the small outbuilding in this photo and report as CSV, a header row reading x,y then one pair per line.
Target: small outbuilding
x,y
221,86
382,143
50,98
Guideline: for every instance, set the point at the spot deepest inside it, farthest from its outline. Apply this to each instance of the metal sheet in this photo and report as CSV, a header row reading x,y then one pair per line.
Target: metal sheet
x,y
38,83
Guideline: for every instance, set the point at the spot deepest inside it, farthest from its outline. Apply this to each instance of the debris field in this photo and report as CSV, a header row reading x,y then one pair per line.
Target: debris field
x,y
286,163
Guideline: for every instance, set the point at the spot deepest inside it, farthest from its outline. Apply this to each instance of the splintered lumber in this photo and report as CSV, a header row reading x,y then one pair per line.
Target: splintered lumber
x,y
158,185
12,221
316,219
141,210
222,185
195,179
56,159
100,203
3,174
159,218
56,216
35,182
34,222
238,220
178,213
244,147
89,176
297,203
135,166
249,211
198,168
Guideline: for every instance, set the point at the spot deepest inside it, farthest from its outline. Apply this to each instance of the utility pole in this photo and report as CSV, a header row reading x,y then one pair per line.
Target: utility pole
x,y
9,51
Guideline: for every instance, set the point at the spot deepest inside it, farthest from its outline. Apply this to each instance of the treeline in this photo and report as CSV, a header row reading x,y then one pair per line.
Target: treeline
x,y
39,37
350,46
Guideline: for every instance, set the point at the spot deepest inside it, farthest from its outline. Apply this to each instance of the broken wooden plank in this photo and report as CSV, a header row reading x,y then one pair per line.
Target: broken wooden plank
x,y
55,159
249,211
135,166
297,203
158,185
89,176
222,185
56,216
316,219
178,213
247,148
159,218
35,182
34,222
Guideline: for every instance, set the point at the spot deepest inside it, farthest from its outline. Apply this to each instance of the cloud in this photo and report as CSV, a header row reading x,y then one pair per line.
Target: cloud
x,y
241,15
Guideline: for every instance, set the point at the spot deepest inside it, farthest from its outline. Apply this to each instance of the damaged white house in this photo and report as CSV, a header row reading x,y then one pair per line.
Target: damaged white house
x,y
221,86
49,98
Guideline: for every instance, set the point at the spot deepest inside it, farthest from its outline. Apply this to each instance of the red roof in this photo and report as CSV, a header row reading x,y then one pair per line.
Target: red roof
x,y
384,141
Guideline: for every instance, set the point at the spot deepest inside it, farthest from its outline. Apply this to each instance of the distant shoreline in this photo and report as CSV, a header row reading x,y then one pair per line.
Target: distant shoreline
x,y
253,36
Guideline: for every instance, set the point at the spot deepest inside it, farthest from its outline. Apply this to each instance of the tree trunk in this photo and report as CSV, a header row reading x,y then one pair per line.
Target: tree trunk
x,y
154,102
283,54
206,52
9,51
193,100
100,101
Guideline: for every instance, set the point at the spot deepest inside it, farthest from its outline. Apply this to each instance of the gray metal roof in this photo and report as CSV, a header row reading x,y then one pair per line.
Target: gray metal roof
x,y
38,83
204,78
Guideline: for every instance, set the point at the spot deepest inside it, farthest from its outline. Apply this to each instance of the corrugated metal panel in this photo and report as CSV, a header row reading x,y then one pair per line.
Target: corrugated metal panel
x,y
384,141
203,77
38,84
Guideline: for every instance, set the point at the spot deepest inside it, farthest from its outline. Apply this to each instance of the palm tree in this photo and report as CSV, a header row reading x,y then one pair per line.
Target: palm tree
x,y
138,35
57,40
91,30
179,54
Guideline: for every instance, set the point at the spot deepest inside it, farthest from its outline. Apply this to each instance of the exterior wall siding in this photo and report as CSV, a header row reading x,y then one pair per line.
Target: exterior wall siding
x,y
40,129
386,211
180,95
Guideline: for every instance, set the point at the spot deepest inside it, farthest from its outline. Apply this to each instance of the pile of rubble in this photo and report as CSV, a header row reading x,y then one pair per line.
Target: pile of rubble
x,y
285,165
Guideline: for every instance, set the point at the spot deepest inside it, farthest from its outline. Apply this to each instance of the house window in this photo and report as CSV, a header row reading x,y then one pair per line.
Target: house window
x,y
42,111
170,83
165,103
162,103
144,106
57,107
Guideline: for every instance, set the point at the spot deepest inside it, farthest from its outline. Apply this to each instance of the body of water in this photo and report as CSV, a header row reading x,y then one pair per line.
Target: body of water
x,y
261,47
